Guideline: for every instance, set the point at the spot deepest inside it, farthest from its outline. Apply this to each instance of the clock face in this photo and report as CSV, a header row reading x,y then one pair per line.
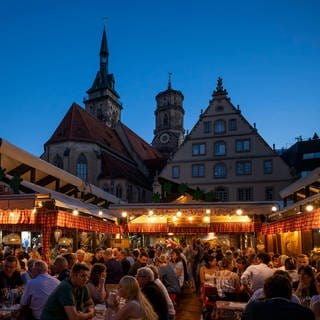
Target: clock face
x,y
164,138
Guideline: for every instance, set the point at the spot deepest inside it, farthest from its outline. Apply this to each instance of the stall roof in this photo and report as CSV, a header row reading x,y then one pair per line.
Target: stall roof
x,y
43,174
310,179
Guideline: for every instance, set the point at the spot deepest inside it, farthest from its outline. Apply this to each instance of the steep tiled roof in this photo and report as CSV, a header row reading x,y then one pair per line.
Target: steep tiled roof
x,y
152,158
80,125
113,168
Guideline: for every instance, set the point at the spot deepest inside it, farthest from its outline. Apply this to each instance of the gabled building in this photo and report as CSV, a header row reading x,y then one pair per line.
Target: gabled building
x,y
94,144
225,155
303,156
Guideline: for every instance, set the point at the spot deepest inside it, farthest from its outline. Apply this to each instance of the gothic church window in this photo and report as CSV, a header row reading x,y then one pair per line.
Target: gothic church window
x,y
58,162
166,121
219,126
82,167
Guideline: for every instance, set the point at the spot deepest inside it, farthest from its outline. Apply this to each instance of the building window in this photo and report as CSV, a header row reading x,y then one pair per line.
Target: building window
x,y
220,171
232,124
243,168
130,192
221,194
269,194
313,155
243,145
165,121
219,126
82,167
198,170
58,162
206,126
245,194
219,148
198,149
119,191
267,167
175,172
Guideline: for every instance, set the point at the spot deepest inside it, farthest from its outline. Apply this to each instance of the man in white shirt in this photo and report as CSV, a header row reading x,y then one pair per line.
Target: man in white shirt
x,y
254,276
38,289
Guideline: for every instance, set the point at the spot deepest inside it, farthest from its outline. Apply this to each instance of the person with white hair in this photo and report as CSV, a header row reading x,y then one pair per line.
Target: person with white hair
x,y
38,289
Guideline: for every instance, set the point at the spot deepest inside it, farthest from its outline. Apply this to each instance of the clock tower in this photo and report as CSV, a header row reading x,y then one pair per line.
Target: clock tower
x,y
103,100
169,113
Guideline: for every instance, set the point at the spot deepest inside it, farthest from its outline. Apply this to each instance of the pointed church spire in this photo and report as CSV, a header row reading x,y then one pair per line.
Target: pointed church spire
x,y
104,53
169,81
219,89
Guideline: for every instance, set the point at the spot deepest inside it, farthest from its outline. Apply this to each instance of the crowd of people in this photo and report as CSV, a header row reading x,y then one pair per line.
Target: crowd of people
x,y
146,283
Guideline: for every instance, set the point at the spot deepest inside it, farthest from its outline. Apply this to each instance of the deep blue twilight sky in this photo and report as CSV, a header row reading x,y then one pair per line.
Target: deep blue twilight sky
x,y
267,52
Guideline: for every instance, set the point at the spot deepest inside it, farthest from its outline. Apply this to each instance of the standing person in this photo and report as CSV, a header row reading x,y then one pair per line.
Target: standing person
x,y
198,253
96,284
277,305
60,267
254,276
136,307
208,270
38,289
158,282
177,265
152,292
114,270
71,299
124,262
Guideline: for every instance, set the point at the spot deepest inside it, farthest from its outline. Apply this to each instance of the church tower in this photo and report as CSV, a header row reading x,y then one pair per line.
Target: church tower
x,y
169,113
103,101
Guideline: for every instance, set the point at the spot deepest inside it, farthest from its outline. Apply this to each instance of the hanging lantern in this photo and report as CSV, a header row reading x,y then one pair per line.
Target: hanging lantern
x,y
12,238
57,234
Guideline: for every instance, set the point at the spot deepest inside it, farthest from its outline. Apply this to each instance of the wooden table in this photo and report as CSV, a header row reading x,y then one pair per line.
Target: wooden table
x,y
12,313
229,310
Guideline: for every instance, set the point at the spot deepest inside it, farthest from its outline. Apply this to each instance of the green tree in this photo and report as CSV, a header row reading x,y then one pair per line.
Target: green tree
x,y
2,173
15,183
209,196
182,188
156,197
198,194
167,188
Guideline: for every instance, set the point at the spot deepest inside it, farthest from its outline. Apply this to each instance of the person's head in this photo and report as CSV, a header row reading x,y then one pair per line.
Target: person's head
x,y
263,257
115,253
155,271
276,260
10,265
241,263
143,258
302,260
107,255
209,261
70,257
144,276
79,275
99,253
136,253
123,254
226,263
39,267
161,260
277,286
283,273
60,264
98,271
129,288
176,255
80,255
30,264
306,275
290,264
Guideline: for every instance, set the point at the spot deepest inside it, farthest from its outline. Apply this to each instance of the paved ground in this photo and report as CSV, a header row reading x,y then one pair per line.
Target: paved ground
x,y
189,306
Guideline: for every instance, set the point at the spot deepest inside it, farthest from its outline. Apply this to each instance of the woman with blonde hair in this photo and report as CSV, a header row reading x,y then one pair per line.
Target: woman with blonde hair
x,y
136,306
